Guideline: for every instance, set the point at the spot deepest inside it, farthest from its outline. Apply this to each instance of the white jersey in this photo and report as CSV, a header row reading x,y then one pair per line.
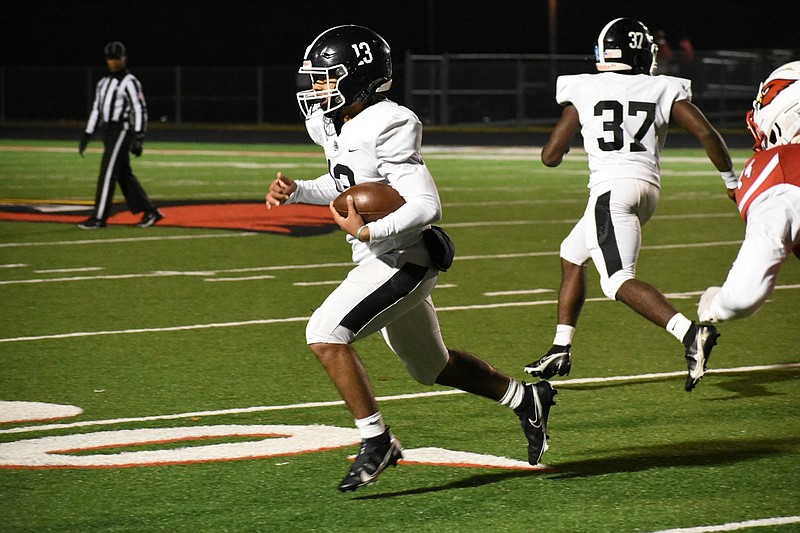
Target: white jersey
x,y
380,144
624,120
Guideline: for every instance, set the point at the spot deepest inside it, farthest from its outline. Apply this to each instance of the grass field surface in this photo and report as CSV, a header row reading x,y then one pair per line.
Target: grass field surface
x,y
158,379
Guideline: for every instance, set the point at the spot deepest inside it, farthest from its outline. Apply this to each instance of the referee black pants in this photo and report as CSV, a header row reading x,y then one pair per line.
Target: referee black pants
x,y
116,167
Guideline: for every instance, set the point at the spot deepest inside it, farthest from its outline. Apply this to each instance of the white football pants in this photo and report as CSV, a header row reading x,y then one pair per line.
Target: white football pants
x,y
390,294
610,231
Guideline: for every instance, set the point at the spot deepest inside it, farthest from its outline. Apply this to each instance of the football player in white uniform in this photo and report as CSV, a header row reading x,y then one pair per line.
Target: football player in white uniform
x,y
368,138
768,197
623,112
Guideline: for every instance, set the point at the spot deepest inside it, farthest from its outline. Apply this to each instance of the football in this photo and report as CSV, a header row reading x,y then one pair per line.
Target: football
x,y
372,200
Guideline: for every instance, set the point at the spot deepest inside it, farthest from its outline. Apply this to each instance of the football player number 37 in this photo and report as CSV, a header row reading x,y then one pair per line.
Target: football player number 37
x,y
363,51
614,124
637,38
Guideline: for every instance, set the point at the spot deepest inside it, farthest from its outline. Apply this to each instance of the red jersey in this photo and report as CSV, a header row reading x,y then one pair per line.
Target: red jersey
x,y
765,169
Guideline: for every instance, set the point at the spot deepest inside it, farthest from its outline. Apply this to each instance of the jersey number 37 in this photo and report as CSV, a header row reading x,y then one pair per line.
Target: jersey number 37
x,y
614,124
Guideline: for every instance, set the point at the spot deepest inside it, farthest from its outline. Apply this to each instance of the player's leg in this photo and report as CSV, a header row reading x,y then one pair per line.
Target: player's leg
x,y
530,402
571,293
698,339
769,239
416,338
620,213
373,294
646,300
472,374
348,375
614,233
571,297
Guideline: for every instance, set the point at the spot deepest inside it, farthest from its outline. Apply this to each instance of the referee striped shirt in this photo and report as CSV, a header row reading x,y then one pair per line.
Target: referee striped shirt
x,y
118,98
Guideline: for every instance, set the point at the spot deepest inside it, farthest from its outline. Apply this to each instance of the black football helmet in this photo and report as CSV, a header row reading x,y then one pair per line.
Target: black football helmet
x,y
626,45
359,61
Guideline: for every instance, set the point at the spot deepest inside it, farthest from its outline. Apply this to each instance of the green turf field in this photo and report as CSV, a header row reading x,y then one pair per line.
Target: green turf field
x,y
182,351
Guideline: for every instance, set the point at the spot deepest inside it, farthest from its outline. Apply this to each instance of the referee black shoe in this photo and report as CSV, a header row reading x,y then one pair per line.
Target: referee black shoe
x,y
533,413
92,223
376,455
150,218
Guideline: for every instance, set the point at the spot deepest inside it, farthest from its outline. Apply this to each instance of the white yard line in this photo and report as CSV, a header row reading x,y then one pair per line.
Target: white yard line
x,y
245,278
381,399
259,322
67,270
479,224
328,265
129,239
734,526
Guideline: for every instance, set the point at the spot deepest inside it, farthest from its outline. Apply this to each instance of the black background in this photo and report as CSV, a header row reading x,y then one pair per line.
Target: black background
x,y
238,32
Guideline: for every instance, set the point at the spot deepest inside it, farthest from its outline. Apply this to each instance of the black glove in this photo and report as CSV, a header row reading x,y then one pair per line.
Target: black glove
x,y
84,143
136,147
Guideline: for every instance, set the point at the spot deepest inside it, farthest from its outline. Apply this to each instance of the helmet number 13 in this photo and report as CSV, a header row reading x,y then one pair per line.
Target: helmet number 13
x,y
614,125
362,49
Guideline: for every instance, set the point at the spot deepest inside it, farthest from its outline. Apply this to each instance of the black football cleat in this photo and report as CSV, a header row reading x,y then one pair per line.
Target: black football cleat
x,y
376,455
533,414
698,352
558,360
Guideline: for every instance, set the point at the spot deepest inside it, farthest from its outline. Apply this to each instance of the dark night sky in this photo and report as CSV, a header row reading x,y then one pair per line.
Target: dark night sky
x,y
268,32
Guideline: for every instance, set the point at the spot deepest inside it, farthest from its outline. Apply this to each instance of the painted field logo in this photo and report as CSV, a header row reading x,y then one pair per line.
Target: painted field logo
x,y
114,449
186,445
297,220
69,451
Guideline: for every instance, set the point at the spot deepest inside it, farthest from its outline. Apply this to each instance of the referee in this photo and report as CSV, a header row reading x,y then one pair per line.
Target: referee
x,y
120,107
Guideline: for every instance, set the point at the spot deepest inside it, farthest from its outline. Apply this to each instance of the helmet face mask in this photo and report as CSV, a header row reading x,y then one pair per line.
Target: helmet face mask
x,y
346,65
774,119
324,94
626,45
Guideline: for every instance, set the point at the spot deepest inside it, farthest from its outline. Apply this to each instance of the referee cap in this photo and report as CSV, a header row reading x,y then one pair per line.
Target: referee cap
x,y
114,50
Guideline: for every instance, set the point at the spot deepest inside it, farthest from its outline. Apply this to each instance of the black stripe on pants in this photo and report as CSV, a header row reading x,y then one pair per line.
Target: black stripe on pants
x,y
396,287
606,237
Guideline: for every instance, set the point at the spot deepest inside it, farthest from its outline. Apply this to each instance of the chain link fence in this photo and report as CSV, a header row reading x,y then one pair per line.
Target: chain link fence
x,y
508,90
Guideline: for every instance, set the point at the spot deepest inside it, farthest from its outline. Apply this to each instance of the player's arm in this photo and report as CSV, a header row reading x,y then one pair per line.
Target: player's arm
x,y
690,118
561,137
317,191
279,190
397,150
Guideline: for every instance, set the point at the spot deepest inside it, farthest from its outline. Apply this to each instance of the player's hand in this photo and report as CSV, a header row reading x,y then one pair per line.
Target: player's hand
x,y
280,190
83,143
138,145
352,222
732,194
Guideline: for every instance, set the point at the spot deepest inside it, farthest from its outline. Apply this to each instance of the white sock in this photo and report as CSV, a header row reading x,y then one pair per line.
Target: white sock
x,y
564,334
514,394
372,426
678,326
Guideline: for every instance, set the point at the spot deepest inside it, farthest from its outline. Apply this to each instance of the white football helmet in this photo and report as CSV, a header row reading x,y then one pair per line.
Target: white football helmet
x,y
775,117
